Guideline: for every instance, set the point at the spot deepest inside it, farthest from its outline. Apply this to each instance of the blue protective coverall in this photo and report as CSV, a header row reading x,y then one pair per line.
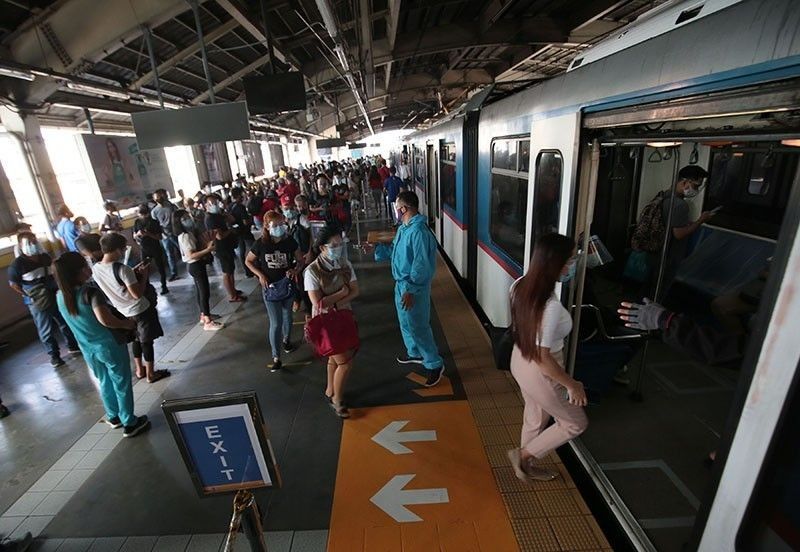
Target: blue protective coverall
x,y
413,267
108,359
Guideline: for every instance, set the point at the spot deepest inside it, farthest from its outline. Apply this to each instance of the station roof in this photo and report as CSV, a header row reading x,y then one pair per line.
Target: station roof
x,y
394,63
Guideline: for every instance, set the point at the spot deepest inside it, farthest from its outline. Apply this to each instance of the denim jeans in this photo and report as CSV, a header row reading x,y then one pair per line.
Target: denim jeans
x,y
280,323
172,251
46,323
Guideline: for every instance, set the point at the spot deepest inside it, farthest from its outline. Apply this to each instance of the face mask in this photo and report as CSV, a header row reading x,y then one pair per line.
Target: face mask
x,y
334,253
290,214
278,231
690,193
87,228
29,248
188,224
564,278
214,209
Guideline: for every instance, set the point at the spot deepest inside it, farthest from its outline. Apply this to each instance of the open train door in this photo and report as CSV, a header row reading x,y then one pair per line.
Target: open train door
x,y
553,168
433,191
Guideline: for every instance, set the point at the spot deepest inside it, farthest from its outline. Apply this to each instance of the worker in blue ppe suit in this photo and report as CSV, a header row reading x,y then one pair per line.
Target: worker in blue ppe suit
x,y
413,267
88,314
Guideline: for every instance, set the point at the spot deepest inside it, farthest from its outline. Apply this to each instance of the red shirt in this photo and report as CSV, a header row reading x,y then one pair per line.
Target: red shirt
x,y
375,183
268,205
384,172
289,189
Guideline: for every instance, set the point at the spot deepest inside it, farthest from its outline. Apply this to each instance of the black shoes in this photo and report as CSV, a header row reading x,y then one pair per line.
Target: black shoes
x,y
276,365
142,424
288,347
405,359
56,361
434,377
114,423
4,411
173,278
164,290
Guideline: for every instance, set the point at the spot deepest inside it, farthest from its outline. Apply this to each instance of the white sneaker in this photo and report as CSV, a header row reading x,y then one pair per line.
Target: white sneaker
x,y
212,326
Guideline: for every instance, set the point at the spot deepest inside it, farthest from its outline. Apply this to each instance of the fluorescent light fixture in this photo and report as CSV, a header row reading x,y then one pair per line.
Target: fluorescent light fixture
x,y
98,90
168,105
794,142
663,144
15,74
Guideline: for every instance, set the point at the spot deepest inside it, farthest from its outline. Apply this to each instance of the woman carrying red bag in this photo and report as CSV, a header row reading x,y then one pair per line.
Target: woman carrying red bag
x,y
331,284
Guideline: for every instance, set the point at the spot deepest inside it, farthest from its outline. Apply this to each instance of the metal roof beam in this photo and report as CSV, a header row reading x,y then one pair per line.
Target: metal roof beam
x,y
249,68
185,53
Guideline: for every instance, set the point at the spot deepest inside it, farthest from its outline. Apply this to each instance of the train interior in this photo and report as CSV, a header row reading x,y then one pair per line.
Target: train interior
x,y
657,413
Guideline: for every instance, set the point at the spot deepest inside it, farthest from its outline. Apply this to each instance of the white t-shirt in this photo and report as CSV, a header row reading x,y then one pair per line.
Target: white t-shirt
x,y
122,300
188,245
556,323
311,283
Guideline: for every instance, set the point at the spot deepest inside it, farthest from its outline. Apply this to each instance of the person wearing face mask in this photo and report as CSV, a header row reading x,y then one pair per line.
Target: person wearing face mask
x,y
393,186
29,275
275,259
162,213
302,235
112,221
96,326
147,233
331,283
322,199
67,229
540,323
413,268
83,226
88,243
241,226
218,222
196,258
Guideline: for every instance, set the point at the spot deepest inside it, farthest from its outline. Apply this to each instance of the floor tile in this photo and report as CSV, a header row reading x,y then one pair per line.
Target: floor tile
x,y
535,535
107,544
26,504
100,428
279,541
92,459
205,543
46,545
53,503
75,545
109,440
49,480
9,523
310,541
139,544
32,525
68,460
172,543
73,480
87,442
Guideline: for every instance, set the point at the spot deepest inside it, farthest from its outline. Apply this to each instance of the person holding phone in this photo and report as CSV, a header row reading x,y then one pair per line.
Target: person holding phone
x,y
196,258
540,323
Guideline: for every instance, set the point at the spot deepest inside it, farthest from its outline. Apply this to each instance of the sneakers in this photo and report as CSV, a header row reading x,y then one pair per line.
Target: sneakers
x,y
4,411
288,347
434,377
142,424
113,423
164,290
405,359
74,350
212,326
276,365
57,361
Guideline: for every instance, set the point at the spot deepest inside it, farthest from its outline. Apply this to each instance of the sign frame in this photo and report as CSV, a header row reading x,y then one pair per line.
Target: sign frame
x,y
173,408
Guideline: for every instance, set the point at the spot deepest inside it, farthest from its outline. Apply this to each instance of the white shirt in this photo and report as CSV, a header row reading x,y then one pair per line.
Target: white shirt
x,y
311,283
556,323
122,300
402,171
188,245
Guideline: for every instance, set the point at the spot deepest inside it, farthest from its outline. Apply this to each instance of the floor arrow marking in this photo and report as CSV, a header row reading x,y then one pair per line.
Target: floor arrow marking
x,y
393,499
391,438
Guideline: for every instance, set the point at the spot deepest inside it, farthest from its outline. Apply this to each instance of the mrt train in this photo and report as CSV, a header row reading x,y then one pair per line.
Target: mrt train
x,y
714,83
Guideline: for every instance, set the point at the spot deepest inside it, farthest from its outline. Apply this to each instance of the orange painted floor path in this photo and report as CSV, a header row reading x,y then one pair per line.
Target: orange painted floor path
x,y
433,475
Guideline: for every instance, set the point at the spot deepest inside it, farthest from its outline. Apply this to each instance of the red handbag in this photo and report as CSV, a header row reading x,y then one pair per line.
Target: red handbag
x,y
333,333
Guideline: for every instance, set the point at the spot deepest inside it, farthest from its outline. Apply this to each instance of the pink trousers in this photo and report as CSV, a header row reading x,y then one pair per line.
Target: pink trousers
x,y
544,398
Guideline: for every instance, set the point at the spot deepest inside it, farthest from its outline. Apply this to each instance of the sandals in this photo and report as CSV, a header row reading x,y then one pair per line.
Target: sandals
x,y
340,409
158,375
238,299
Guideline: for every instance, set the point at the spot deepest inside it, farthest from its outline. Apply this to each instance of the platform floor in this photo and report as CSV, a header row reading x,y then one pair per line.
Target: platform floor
x,y
79,486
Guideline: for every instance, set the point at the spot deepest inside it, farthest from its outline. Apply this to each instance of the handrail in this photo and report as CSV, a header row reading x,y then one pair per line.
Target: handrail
x,y
602,327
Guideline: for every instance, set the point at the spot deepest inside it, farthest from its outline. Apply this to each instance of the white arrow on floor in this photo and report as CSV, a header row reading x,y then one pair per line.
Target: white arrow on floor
x,y
391,438
393,500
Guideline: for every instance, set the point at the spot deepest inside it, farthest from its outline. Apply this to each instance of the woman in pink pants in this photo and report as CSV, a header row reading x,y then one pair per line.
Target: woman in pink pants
x,y
540,325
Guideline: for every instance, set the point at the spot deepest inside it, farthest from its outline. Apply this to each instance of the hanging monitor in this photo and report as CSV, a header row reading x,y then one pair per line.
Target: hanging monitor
x,y
275,93
203,124
331,143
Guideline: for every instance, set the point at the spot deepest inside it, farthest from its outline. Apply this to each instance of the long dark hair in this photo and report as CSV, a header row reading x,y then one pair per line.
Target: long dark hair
x,y
67,271
177,225
530,296
373,172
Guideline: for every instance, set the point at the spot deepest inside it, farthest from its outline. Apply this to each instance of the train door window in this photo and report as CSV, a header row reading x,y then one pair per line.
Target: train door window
x,y
447,174
547,193
419,167
507,217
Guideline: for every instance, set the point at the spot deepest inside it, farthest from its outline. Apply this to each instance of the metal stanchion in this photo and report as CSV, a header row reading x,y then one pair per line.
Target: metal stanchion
x,y
246,516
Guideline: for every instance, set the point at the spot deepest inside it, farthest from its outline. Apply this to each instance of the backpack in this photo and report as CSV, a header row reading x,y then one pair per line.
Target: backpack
x,y
649,232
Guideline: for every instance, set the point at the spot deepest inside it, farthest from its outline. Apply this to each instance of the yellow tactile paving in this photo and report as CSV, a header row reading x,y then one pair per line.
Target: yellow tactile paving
x,y
547,516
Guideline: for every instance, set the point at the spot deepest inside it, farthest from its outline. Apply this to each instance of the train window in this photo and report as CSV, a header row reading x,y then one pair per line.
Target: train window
x,y
447,174
547,193
509,199
504,155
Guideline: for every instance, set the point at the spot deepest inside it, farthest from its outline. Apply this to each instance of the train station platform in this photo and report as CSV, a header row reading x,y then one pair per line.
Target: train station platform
x,y
414,469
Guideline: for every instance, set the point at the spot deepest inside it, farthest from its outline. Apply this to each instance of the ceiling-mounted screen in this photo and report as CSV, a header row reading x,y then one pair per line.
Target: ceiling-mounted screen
x,y
204,124
275,93
357,146
331,143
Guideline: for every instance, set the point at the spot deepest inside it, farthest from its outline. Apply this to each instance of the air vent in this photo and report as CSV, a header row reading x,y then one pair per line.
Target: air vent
x,y
686,15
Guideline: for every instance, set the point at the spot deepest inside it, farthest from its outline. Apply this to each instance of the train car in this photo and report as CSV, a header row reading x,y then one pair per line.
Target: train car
x,y
714,84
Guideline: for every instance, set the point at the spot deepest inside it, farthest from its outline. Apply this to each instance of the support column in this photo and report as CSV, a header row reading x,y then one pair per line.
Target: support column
x,y
25,127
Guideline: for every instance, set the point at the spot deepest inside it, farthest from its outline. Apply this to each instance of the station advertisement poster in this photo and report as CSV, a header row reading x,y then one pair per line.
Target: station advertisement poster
x,y
212,162
125,174
253,159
